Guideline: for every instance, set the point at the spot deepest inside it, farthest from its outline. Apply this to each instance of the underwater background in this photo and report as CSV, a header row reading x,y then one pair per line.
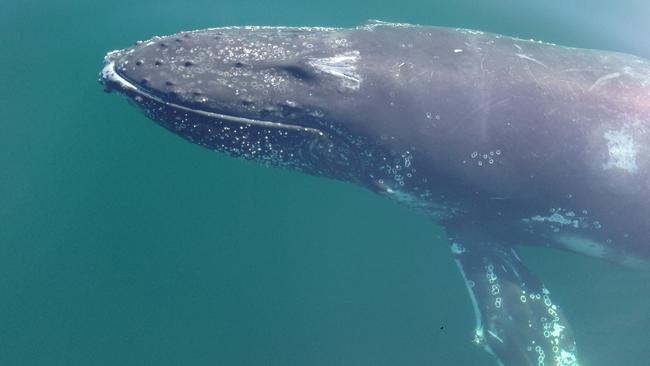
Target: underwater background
x,y
121,244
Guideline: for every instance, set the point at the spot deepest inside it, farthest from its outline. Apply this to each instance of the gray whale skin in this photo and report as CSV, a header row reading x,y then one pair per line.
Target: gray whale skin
x,y
502,141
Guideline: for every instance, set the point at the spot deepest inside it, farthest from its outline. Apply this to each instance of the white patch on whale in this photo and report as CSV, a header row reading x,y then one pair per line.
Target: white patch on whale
x,y
622,151
343,66
371,24
556,218
561,217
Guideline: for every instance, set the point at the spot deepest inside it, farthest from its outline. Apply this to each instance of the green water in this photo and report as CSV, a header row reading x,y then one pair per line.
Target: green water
x,y
121,244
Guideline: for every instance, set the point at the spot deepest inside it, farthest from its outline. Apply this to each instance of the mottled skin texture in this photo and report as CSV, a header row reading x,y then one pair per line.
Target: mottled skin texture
x,y
501,140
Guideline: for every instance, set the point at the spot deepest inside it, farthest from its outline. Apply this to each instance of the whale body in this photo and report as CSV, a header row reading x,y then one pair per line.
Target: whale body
x,y
502,141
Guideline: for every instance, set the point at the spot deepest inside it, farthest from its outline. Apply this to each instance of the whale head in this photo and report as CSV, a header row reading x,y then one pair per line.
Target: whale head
x,y
279,96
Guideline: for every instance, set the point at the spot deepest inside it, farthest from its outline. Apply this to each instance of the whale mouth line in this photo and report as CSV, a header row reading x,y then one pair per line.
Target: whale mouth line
x,y
111,76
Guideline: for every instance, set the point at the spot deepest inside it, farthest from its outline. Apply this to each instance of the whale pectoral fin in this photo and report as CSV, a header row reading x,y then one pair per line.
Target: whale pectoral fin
x,y
517,321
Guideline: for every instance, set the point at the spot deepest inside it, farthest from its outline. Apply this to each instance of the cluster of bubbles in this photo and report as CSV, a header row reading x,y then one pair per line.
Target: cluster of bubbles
x,y
398,180
541,357
430,115
561,217
495,287
552,331
401,169
486,158
340,43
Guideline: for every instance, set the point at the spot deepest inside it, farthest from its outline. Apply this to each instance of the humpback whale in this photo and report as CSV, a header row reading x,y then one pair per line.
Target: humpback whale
x,y
503,141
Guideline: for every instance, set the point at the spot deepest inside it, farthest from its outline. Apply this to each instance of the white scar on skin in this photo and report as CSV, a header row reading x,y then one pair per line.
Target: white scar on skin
x,y
526,57
622,151
604,80
343,66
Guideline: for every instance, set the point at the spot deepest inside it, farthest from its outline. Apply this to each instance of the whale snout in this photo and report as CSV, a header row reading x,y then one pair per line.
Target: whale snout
x,y
233,71
269,74
109,78
176,69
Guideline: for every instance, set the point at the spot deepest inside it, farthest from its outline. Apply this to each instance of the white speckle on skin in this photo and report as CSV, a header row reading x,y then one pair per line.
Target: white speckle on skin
x,y
458,50
568,358
343,66
622,151
557,330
